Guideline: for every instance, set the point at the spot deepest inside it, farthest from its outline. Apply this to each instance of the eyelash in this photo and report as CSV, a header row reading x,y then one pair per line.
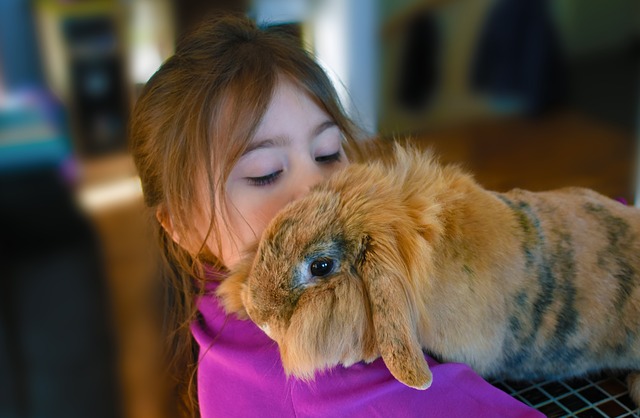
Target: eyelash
x,y
332,158
264,180
271,178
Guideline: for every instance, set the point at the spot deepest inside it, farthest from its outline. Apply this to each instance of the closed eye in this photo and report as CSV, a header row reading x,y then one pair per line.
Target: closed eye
x,y
331,158
264,180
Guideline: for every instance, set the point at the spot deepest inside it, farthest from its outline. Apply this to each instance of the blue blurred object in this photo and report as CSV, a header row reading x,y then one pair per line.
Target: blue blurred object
x,y
19,53
33,128
33,132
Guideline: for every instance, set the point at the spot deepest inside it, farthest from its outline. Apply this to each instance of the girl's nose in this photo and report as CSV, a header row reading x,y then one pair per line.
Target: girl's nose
x,y
309,178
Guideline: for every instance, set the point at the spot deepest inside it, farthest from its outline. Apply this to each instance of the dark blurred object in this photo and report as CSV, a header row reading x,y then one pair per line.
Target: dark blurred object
x,y
518,61
57,348
606,86
419,67
292,29
190,13
100,104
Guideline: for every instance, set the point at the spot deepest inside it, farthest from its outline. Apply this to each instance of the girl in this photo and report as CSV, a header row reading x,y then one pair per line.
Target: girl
x,y
239,122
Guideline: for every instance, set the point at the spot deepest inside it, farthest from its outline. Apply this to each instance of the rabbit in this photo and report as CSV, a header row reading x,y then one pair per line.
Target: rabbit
x,y
392,258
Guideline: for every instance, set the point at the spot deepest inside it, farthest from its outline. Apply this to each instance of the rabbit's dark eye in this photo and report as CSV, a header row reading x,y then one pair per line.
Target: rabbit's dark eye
x,y
321,267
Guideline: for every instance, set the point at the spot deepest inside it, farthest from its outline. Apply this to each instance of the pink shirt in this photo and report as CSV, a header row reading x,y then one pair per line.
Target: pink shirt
x,y
240,375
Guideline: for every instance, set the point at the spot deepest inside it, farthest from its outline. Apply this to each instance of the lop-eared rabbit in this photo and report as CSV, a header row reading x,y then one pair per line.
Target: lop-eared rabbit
x,y
390,259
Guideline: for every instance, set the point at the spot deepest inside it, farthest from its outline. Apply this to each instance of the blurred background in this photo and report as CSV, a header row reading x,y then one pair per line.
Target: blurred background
x,y
524,93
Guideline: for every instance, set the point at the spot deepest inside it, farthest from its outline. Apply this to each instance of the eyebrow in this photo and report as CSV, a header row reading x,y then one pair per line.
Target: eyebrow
x,y
280,141
265,143
323,127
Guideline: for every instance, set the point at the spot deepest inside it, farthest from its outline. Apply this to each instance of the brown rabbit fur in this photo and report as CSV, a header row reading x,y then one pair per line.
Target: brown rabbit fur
x,y
387,259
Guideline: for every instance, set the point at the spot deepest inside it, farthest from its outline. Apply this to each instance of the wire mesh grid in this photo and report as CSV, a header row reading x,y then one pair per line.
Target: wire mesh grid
x,y
600,396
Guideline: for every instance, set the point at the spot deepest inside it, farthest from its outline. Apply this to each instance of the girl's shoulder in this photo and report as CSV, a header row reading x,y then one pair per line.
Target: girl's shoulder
x,y
240,374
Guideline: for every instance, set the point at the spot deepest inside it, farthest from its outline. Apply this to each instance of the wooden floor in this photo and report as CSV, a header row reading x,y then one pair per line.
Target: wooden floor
x,y
558,150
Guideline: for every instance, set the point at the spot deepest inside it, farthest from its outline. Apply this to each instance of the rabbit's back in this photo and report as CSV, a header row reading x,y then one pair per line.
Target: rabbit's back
x,y
577,308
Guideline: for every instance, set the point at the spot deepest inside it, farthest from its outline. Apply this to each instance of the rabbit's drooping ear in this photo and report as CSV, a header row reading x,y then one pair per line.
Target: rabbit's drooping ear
x,y
385,274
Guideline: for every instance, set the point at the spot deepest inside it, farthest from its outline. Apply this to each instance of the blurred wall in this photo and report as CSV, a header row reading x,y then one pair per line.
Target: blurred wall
x,y
445,33
362,43
591,60
591,26
601,40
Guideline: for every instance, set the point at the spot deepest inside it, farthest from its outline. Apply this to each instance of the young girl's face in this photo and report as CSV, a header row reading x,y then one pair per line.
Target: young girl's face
x,y
296,146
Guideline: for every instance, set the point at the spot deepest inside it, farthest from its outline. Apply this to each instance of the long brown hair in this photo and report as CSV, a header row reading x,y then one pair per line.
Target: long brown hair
x,y
191,123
